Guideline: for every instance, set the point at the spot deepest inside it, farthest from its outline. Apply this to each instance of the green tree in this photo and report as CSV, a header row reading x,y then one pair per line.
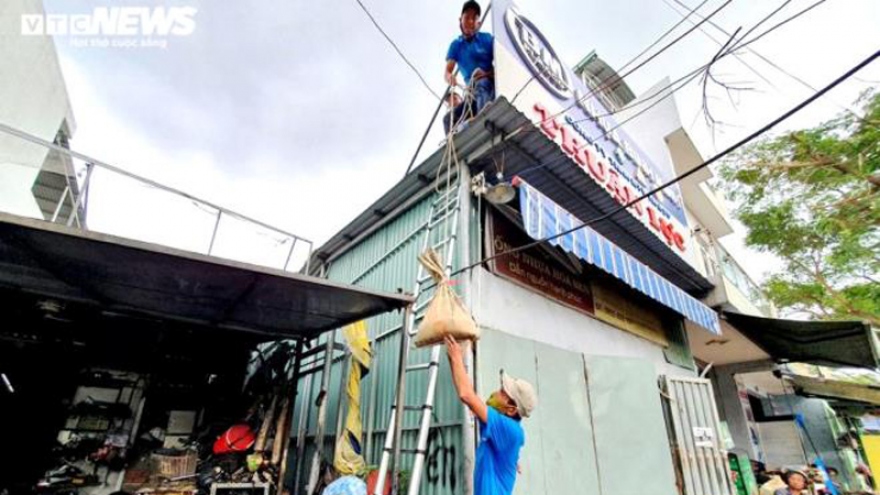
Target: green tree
x,y
812,198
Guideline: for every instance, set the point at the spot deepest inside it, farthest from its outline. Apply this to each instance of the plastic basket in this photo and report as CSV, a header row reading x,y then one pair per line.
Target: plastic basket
x,y
172,466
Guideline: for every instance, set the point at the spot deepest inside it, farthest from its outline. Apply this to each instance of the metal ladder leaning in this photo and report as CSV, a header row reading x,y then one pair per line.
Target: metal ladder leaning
x,y
444,218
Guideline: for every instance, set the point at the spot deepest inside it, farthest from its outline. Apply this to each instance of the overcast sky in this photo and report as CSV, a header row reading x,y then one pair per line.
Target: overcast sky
x,y
300,114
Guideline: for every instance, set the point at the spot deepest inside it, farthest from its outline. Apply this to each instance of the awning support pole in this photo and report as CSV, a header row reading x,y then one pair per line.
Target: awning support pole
x,y
293,389
322,414
399,406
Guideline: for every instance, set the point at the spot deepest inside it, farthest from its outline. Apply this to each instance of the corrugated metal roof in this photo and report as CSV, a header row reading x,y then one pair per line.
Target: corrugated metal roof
x,y
561,180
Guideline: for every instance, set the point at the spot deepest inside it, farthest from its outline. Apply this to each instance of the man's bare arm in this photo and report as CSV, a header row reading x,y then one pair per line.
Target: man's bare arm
x,y
462,381
450,74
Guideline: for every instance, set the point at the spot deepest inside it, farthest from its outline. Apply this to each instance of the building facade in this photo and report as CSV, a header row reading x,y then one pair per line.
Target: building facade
x,y
610,326
34,181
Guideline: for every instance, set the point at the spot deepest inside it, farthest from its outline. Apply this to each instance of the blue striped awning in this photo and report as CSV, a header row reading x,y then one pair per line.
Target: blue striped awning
x,y
543,218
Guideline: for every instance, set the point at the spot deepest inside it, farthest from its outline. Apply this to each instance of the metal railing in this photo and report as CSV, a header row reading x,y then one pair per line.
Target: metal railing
x,y
120,195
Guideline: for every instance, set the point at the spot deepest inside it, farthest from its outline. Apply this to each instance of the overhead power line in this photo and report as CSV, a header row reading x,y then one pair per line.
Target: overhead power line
x,y
665,34
740,44
758,54
397,49
612,79
800,106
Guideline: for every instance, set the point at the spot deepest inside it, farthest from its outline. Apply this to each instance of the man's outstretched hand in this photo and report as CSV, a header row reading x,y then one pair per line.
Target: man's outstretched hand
x,y
462,381
453,350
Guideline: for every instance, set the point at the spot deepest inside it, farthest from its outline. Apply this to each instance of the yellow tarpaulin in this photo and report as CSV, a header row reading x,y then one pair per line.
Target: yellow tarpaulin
x,y
872,451
348,458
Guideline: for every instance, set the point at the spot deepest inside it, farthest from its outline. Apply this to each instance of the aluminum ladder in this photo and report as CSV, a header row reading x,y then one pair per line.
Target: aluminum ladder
x,y
443,220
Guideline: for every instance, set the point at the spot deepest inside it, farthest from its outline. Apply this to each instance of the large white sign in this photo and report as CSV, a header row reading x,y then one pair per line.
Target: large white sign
x,y
529,73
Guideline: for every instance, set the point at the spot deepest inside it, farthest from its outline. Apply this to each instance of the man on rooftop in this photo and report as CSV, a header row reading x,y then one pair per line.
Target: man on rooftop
x,y
472,53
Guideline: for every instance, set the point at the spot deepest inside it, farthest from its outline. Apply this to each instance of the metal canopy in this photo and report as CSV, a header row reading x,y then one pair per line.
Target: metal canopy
x,y
540,161
533,156
836,343
852,385
123,275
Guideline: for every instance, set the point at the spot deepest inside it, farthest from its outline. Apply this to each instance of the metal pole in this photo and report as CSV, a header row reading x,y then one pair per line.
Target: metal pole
x,y
304,411
60,203
468,430
422,446
400,402
343,388
293,389
308,259
214,235
383,464
322,413
290,253
371,408
428,130
75,212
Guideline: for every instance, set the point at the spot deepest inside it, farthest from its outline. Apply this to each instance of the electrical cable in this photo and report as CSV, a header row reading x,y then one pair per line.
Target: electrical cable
x,y
714,39
665,34
765,59
397,49
740,44
614,78
690,172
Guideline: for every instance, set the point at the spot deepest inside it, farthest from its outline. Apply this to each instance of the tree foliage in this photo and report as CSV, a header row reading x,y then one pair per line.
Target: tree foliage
x,y
812,198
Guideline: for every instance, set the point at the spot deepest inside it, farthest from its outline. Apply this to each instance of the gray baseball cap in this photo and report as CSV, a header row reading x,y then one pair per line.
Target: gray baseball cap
x,y
522,393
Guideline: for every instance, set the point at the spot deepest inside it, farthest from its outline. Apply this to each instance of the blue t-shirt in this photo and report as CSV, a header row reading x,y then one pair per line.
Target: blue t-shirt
x,y
501,438
472,54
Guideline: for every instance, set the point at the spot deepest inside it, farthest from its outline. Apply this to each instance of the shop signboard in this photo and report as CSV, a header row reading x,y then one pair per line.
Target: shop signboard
x,y
535,269
531,74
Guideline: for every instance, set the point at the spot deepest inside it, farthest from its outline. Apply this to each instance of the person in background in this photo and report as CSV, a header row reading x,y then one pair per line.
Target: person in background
x,y
500,421
796,483
773,481
473,53
346,485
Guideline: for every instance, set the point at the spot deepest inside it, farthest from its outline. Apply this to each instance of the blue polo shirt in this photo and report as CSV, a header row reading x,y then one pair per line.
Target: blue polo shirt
x,y
501,438
472,54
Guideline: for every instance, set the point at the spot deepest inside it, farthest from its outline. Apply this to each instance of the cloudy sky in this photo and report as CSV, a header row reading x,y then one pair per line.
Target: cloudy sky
x,y
300,114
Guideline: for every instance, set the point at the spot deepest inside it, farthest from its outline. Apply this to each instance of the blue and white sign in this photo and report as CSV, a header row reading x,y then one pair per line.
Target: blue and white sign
x,y
530,73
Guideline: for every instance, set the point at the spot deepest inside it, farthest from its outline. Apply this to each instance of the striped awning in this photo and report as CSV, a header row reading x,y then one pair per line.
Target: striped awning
x,y
543,218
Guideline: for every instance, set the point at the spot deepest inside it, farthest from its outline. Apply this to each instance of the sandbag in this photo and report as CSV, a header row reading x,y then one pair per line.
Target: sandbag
x,y
446,314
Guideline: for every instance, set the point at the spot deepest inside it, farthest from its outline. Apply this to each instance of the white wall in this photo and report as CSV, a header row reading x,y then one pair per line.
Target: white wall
x,y
504,306
33,96
15,190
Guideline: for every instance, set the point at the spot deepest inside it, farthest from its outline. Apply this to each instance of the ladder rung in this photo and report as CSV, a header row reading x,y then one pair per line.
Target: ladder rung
x,y
412,451
436,220
445,195
420,306
414,408
443,242
420,367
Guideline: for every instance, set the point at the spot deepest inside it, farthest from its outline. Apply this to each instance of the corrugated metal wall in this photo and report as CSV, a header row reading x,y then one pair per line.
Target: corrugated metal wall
x,y
443,468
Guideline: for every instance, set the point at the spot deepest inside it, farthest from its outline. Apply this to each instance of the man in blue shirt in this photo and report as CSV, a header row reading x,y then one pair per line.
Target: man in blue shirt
x,y
473,53
501,431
